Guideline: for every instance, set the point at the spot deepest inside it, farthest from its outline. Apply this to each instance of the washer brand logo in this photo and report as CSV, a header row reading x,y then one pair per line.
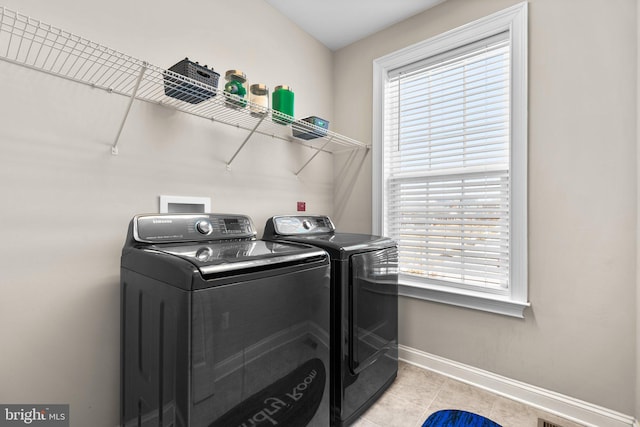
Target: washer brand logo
x,y
291,401
36,415
162,221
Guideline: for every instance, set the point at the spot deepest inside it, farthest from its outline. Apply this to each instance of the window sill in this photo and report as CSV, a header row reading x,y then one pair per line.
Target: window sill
x,y
462,298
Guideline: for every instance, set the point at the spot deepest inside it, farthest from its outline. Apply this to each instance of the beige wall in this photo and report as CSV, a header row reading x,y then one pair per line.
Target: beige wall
x,y
66,201
579,337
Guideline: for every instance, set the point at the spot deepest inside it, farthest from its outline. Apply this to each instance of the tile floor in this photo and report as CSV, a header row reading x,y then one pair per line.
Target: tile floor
x,y
417,393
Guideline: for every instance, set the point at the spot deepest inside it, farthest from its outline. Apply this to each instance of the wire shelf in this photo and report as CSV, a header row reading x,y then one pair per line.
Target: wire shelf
x,y
39,46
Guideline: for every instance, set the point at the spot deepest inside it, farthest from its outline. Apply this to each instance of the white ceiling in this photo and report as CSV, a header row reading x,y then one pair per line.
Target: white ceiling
x,y
337,23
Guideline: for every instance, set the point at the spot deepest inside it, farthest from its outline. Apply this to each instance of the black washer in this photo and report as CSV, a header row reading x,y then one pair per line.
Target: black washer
x,y
364,307
221,329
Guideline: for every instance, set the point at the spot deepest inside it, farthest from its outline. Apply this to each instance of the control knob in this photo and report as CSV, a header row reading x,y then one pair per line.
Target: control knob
x,y
306,224
204,227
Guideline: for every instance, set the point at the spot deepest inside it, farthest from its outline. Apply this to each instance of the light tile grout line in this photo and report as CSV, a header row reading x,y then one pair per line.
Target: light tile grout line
x,y
428,410
425,413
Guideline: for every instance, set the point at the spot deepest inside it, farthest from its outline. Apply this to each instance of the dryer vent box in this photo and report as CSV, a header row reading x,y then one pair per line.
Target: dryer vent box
x,y
185,204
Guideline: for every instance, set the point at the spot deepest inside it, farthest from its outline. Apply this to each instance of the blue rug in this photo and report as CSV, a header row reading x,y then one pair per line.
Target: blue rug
x,y
455,418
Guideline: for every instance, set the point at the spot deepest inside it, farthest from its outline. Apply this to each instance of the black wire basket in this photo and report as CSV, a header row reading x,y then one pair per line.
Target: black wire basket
x,y
178,88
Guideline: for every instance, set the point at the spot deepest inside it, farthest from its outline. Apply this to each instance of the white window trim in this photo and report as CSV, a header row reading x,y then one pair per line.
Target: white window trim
x,y
513,19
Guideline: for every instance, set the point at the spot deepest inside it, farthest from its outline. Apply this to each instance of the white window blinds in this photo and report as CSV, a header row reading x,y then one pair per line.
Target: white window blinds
x,y
446,165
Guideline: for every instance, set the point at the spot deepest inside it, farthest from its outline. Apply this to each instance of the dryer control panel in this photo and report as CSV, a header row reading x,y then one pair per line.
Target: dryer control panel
x,y
165,228
292,225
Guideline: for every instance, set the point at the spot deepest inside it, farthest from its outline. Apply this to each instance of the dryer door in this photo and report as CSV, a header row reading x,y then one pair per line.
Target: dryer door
x,y
373,307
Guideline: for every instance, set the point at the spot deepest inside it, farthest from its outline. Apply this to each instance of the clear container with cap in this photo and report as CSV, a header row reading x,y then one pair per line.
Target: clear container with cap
x,y
259,99
282,102
234,90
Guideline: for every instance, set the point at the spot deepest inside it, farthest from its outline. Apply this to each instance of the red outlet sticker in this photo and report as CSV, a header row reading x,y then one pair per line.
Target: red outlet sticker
x,y
302,206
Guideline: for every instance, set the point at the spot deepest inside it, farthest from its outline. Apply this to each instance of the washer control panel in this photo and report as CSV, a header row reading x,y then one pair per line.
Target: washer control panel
x,y
164,228
302,224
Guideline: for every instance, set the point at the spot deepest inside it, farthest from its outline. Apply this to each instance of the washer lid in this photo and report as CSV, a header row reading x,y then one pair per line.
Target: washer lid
x,y
225,256
342,245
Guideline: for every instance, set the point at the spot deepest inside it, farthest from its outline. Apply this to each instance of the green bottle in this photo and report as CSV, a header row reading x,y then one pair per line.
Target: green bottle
x,y
282,102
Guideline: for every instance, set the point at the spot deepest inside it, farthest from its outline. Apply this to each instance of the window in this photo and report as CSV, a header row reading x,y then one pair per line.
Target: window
x,y
450,144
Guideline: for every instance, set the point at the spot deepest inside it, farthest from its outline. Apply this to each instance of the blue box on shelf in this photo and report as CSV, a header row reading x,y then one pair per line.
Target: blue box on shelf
x,y
310,132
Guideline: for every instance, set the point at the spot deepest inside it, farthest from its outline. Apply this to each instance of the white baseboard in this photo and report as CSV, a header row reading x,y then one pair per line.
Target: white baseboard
x,y
564,406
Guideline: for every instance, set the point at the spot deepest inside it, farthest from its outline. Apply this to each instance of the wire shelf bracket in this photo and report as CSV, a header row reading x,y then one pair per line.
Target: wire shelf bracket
x,y
114,148
314,156
244,142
